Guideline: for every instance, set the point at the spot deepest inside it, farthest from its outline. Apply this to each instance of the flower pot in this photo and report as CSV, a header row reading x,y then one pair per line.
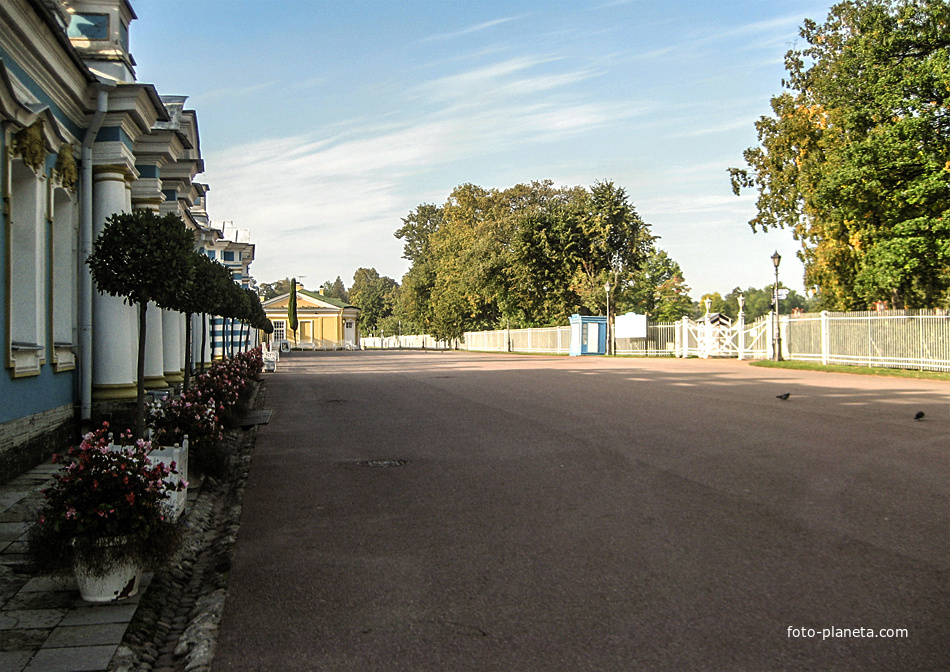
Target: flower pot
x,y
116,580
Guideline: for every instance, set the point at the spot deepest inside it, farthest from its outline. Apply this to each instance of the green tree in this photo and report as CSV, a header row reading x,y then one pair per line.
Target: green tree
x,y
529,255
854,158
375,297
335,289
717,304
198,298
271,290
146,259
292,308
672,300
658,289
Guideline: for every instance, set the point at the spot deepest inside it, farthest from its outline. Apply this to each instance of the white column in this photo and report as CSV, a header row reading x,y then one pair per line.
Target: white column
x,y
154,349
173,350
114,331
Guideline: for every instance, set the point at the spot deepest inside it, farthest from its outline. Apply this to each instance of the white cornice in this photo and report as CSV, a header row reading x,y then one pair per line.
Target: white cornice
x,y
135,108
159,147
49,62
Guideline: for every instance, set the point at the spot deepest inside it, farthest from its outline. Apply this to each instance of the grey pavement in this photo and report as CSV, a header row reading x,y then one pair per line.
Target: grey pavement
x,y
44,625
462,511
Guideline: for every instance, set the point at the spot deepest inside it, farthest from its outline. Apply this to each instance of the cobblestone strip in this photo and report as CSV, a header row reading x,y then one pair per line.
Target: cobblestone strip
x,y
175,627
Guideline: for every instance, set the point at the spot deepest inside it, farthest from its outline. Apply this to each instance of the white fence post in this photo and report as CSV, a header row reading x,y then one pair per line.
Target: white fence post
x,y
740,335
825,337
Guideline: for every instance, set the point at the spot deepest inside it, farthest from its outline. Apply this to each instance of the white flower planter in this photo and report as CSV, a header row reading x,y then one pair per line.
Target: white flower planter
x,y
179,455
119,581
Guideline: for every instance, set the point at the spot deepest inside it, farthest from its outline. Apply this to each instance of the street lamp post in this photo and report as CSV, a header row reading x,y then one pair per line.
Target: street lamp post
x,y
776,260
607,290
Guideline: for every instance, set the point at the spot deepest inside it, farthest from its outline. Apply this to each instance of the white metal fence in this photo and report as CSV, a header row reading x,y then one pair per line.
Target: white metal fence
x,y
414,341
904,339
917,339
660,341
896,339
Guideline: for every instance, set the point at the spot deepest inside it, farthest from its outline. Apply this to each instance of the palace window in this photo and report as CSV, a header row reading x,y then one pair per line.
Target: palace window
x,y
280,330
65,238
27,268
89,26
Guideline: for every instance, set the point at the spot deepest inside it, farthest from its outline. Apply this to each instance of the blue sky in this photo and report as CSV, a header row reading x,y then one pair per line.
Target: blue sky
x,y
324,123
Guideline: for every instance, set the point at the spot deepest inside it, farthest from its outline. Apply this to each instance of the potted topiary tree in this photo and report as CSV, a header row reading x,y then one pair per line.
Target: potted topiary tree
x,y
106,517
144,258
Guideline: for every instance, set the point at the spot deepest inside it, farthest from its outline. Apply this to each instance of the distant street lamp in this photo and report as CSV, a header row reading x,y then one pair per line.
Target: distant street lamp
x,y
607,290
776,260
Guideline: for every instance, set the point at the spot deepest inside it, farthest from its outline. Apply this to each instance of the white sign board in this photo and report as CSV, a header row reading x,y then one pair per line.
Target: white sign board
x,y
630,325
782,293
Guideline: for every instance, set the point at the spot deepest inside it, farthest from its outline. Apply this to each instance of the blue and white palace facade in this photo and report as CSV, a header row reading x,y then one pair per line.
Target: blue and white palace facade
x,y
81,139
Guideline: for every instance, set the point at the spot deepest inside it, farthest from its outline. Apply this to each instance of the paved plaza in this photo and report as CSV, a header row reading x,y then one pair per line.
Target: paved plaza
x,y
44,625
460,511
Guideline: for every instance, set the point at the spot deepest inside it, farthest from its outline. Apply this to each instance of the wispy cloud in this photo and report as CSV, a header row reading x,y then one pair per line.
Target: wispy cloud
x,y
215,95
471,29
309,190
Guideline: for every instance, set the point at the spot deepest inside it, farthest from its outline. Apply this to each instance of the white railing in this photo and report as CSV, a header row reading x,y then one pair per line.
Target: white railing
x,y
896,339
546,340
893,339
412,341
660,341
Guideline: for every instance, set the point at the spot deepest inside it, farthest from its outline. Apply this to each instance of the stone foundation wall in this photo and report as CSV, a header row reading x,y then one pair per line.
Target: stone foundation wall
x,y
119,414
32,439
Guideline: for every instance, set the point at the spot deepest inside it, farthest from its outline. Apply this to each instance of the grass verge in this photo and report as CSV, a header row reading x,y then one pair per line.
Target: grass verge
x,y
856,370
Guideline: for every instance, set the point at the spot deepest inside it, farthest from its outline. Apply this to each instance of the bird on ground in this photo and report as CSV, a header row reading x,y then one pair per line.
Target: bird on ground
x,y
784,396
919,415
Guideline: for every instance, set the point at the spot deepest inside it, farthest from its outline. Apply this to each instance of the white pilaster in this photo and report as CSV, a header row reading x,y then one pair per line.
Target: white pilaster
x,y
114,330
174,355
154,349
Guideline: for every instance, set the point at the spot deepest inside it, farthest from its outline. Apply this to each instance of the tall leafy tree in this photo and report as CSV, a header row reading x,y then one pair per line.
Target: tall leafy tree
x,y
145,258
270,290
658,289
335,289
376,297
854,159
529,255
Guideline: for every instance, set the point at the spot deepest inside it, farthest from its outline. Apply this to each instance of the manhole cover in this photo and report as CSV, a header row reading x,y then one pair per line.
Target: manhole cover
x,y
381,464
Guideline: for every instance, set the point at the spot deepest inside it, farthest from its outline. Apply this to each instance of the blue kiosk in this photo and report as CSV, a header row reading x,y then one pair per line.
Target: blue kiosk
x,y
588,335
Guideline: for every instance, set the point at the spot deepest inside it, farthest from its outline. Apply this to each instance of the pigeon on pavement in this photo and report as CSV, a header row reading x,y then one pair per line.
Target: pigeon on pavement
x,y
783,397
919,415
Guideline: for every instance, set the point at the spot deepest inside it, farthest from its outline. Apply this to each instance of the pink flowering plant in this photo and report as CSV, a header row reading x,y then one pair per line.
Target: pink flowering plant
x,y
106,492
206,409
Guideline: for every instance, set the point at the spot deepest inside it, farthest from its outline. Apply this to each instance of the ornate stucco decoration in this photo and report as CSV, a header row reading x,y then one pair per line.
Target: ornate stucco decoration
x,y
66,167
30,144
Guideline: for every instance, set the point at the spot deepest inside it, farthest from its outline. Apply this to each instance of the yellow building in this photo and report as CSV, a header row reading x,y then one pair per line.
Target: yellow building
x,y
324,323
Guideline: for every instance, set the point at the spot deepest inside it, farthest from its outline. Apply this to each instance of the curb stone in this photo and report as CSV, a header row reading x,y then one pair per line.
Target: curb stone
x,y
176,625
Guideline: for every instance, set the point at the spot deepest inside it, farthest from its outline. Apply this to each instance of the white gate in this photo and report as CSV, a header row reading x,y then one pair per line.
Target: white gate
x,y
706,339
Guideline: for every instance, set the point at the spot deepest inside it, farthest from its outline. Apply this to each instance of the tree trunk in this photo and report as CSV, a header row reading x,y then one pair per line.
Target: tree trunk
x,y
204,338
140,385
188,351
